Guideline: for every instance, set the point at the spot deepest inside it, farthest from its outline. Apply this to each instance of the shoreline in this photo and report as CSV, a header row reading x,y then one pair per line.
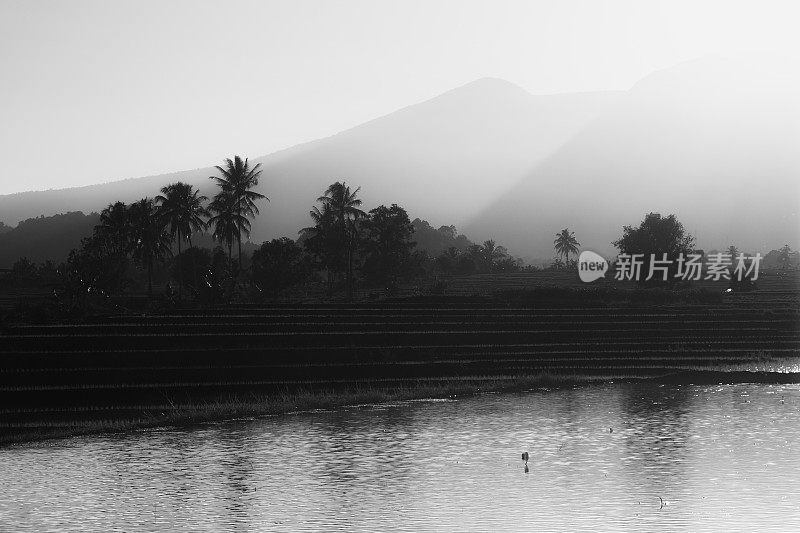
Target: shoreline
x,y
300,401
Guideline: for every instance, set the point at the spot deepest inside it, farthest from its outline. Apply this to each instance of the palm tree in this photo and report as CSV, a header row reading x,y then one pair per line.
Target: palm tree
x,y
149,242
228,222
322,240
181,210
236,182
566,244
344,205
115,224
490,253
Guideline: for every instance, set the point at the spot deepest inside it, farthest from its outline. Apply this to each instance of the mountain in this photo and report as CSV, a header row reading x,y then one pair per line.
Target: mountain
x,y
442,160
46,238
713,141
716,142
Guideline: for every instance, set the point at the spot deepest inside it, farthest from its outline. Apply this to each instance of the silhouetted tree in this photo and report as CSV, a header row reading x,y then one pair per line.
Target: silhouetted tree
x,y
566,244
115,224
218,281
228,222
506,264
437,241
447,260
323,242
189,263
23,269
387,243
279,264
150,241
236,182
491,253
784,257
95,268
343,205
655,236
181,210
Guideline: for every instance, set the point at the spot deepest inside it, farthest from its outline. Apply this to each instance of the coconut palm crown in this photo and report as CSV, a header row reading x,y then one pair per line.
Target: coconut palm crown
x,y
237,197
566,244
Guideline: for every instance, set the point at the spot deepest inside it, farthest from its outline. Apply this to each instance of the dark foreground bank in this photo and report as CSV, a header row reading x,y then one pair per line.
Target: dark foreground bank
x,y
250,405
123,371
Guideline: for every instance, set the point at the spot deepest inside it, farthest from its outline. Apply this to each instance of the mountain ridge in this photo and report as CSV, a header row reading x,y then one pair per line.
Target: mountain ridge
x,y
481,135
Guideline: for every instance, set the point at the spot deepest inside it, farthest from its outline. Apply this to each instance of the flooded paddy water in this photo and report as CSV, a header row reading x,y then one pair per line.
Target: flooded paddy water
x,y
630,456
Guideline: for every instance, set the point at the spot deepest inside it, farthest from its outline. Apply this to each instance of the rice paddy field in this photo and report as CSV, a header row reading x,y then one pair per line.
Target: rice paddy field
x,y
125,370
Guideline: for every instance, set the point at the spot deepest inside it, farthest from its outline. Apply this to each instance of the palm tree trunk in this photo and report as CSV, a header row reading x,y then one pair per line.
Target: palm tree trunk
x,y
180,270
239,241
350,271
194,264
150,278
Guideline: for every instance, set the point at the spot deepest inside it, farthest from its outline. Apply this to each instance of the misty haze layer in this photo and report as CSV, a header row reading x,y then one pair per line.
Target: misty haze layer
x,y
713,141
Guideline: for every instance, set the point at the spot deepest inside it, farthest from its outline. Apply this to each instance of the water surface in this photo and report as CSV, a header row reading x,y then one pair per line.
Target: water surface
x,y
721,458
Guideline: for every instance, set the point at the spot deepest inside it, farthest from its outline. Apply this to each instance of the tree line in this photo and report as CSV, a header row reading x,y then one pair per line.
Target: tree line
x,y
344,247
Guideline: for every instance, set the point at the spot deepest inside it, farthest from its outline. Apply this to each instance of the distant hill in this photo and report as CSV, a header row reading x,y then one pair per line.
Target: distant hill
x,y
713,141
46,238
444,159
51,238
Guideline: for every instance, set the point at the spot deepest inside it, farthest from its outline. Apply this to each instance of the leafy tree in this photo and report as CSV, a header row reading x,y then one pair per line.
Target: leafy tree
x,y
280,264
23,268
150,241
507,264
446,262
437,241
468,262
655,236
217,283
784,257
387,242
566,244
95,268
481,257
237,199
189,263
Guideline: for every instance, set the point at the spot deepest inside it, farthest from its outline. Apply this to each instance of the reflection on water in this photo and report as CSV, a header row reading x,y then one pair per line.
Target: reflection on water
x,y
601,458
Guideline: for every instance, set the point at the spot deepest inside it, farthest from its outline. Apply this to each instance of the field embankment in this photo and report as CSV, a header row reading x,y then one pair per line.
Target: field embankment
x,y
125,370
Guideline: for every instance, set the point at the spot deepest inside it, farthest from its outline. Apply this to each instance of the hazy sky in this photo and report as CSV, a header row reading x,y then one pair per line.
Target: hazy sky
x,y
100,91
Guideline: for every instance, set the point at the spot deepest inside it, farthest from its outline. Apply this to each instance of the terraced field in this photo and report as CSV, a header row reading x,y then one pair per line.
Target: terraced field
x,y
770,284
124,367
